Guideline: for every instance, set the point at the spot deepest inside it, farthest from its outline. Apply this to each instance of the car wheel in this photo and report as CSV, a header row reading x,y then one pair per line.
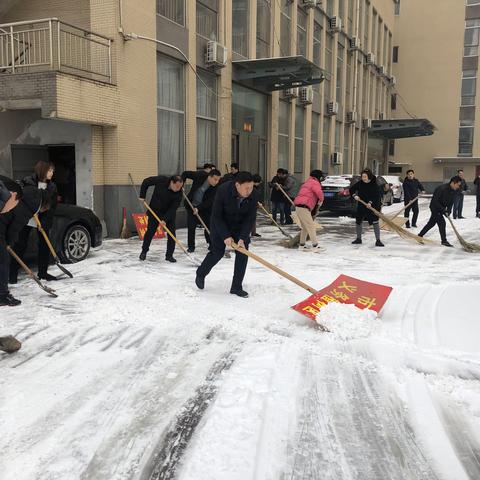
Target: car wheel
x,y
76,244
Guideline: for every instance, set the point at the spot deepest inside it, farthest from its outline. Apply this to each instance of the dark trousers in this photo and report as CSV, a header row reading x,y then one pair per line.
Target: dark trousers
x,y
288,213
478,205
4,266
436,219
412,208
216,253
279,207
458,205
21,246
152,228
192,222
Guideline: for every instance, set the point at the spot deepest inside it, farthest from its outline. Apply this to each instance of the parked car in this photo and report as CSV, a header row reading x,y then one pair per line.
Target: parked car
x,y
397,188
75,230
336,189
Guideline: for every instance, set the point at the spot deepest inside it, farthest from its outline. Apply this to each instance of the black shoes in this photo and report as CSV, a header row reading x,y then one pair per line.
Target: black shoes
x,y
239,292
47,277
414,225
190,249
200,282
379,243
256,234
8,300
446,243
170,259
407,225
462,218
143,256
357,241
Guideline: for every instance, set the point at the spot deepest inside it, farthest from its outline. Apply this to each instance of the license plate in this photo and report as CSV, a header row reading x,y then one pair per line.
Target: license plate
x,y
329,194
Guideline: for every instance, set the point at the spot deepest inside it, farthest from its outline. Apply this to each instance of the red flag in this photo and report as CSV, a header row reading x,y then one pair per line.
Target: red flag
x,y
141,224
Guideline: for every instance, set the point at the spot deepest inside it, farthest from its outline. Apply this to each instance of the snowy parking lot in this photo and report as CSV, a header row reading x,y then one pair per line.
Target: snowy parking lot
x,y
134,373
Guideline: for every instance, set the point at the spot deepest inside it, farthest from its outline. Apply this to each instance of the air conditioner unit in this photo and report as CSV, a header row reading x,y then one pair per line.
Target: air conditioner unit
x,y
351,117
332,108
335,24
309,3
306,95
216,55
367,123
381,69
290,93
370,58
354,43
393,80
337,158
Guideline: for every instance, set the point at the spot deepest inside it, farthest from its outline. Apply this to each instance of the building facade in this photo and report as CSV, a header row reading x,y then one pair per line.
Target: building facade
x,y
111,87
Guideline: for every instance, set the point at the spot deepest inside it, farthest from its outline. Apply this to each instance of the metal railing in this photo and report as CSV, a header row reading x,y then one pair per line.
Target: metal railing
x,y
50,44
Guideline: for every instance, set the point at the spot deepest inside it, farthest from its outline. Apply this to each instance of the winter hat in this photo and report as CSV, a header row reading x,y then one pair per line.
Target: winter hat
x,y
318,174
32,198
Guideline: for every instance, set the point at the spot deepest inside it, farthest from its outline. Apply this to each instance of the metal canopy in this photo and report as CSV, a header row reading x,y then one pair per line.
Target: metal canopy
x,y
270,74
402,128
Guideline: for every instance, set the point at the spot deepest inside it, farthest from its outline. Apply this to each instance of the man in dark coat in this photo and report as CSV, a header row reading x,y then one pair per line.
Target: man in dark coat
x,y
476,182
233,216
291,188
277,197
41,179
411,188
166,198
30,201
458,197
230,176
440,206
201,195
368,190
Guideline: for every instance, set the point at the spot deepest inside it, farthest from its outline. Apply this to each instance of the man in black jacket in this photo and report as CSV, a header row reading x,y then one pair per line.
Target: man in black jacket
x,y
166,198
458,197
476,182
201,195
230,176
411,188
233,216
31,201
441,205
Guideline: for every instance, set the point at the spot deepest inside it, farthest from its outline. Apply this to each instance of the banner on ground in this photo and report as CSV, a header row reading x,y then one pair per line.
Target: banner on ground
x,y
348,290
141,224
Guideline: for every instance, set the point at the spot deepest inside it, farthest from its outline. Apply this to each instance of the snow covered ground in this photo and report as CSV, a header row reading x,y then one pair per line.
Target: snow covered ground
x,y
133,373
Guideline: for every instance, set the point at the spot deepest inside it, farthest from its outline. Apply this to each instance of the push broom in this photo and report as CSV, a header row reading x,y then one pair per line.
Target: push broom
x,y
467,246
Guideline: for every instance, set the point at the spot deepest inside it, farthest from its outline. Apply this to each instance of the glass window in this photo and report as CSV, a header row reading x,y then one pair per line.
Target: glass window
x,y
263,28
206,118
395,54
328,66
170,115
338,133
330,5
465,141
206,22
326,144
350,17
346,148
348,83
249,111
467,116
285,32
473,2
393,101
301,32
366,26
283,116
240,27
397,7
341,9
317,43
314,141
172,9
340,54
298,159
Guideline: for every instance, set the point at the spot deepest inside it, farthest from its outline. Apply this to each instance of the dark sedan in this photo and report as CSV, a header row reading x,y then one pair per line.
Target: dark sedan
x,y
75,230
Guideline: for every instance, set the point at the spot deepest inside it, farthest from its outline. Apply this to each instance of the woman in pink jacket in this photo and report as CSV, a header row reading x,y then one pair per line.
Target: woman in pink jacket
x,y
309,196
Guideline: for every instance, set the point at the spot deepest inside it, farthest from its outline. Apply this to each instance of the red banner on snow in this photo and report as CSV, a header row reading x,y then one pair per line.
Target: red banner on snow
x,y
345,290
141,224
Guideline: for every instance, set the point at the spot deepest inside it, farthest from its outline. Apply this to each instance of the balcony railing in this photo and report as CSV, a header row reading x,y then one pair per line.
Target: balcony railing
x,y
50,44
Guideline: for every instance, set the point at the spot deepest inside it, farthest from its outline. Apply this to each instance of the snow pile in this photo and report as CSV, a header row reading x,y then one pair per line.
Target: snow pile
x,y
347,322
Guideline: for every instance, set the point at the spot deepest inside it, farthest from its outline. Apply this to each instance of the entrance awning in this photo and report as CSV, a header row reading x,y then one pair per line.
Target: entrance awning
x,y
270,74
402,128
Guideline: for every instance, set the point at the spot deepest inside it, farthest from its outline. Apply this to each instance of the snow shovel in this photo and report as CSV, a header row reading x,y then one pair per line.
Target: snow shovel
x,y
398,221
270,216
50,246
394,227
49,290
294,216
467,246
162,223
227,254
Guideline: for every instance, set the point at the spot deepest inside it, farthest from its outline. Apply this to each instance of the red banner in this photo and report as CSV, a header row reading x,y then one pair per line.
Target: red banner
x,y
346,290
141,224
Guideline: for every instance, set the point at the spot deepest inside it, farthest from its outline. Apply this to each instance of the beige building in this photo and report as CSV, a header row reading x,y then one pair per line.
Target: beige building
x,y
104,88
436,71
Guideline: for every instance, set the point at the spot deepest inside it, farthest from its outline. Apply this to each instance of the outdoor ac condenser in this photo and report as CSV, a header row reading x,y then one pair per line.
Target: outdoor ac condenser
x,y
335,24
332,108
370,58
367,123
306,95
351,117
309,3
337,158
290,93
354,44
216,55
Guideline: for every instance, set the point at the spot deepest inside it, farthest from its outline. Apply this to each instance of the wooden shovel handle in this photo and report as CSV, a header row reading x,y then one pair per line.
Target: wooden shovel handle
x,y
285,194
45,236
193,210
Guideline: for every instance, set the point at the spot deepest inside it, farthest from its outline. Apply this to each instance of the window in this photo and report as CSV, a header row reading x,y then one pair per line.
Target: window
x,y
330,4
468,91
471,38
366,26
326,144
393,101
317,44
240,27
314,141
467,116
302,32
338,133
340,54
350,17
285,22
465,141
395,54
328,67
206,118
172,9
170,115
397,7
391,148
283,117
348,83
263,28
298,165
346,148
341,9
473,2
206,22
